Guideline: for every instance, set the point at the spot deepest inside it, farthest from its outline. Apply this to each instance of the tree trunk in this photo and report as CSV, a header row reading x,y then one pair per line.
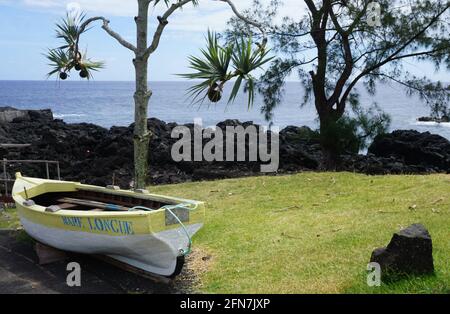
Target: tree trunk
x,y
141,98
141,134
329,138
330,154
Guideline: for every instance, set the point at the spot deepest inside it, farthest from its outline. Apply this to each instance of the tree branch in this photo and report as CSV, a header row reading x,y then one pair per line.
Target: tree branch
x,y
245,19
346,73
418,54
359,17
106,27
162,24
394,55
420,91
311,6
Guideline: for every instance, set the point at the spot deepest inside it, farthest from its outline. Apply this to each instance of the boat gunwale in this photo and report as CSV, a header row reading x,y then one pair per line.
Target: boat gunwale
x,y
103,214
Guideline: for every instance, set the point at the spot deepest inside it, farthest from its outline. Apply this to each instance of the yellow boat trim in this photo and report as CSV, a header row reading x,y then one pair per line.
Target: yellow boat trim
x,y
107,223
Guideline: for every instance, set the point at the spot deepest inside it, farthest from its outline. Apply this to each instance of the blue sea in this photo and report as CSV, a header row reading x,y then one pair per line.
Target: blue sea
x,y
111,103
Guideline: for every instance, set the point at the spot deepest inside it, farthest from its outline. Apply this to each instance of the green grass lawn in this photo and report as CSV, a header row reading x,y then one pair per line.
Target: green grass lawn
x,y
314,232
311,232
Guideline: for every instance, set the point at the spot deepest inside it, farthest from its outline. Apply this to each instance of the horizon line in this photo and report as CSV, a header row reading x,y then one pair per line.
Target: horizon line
x,y
108,81
132,81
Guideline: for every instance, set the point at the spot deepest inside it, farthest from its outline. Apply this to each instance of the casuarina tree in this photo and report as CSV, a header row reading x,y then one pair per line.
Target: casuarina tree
x,y
335,46
69,57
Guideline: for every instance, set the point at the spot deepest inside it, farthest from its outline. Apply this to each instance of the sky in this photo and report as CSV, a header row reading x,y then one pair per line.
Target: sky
x,y
27,31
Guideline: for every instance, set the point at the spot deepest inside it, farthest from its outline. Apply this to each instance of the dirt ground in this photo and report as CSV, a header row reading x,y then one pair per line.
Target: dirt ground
x,y
21,273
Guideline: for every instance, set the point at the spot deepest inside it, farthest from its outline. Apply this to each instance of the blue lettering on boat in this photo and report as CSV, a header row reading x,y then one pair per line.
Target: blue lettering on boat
x,y
101,225
98,224
114,229
72,221
112,225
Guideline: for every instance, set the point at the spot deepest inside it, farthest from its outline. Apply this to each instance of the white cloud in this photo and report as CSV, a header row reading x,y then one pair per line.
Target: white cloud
x,y
209,14
74,8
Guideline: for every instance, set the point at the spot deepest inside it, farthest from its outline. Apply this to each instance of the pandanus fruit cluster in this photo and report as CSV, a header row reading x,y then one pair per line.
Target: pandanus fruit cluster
x,y
221,64
78,65
215,92
68,57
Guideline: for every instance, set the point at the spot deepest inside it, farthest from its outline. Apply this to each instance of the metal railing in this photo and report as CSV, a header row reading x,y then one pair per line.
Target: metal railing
x,y
5,162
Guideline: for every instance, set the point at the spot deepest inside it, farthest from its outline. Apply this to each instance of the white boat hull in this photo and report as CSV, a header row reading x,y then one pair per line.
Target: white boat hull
x,y
151,232
155,253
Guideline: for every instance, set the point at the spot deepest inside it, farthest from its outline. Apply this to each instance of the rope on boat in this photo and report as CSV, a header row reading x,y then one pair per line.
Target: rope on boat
x,y
169,208
140,208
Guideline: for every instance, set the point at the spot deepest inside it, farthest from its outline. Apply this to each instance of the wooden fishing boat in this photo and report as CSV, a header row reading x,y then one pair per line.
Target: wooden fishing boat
x,y
147,231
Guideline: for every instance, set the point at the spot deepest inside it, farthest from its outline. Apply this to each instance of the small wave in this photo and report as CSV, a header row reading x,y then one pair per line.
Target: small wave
x,y
69,115
431,123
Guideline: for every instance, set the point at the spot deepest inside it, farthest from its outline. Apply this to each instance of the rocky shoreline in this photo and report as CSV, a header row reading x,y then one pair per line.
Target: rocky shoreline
x,y
443,119
93,154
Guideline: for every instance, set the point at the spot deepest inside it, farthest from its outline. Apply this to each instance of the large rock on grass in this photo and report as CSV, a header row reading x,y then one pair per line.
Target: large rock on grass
x,y
410,252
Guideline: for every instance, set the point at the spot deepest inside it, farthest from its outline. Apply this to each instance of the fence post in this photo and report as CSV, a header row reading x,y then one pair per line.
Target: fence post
x,y
58,171
46,169
5,176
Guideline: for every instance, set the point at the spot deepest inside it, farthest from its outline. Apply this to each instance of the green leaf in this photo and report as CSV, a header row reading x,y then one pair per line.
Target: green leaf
x,y
235,91
67,56
219,64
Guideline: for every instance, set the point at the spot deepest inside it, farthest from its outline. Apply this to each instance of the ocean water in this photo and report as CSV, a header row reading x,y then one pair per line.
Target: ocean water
x,y
111,103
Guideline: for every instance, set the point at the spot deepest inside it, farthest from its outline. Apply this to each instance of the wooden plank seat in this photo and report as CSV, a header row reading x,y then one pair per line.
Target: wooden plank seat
x,y
92,204
67,206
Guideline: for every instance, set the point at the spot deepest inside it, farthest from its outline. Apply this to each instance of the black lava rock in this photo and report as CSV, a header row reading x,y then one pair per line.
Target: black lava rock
x,y
410,252
414,148
91,154
443,119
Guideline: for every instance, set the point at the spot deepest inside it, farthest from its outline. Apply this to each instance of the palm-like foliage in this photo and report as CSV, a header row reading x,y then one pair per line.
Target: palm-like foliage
x,y
58,60
69,30
219,65
67,57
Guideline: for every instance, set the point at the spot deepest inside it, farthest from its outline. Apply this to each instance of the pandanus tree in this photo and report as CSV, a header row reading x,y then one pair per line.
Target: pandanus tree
x,y
333,45
236,59
68,57
220,64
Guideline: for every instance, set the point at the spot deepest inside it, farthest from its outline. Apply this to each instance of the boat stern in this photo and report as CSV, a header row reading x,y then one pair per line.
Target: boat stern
x,y
177,224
